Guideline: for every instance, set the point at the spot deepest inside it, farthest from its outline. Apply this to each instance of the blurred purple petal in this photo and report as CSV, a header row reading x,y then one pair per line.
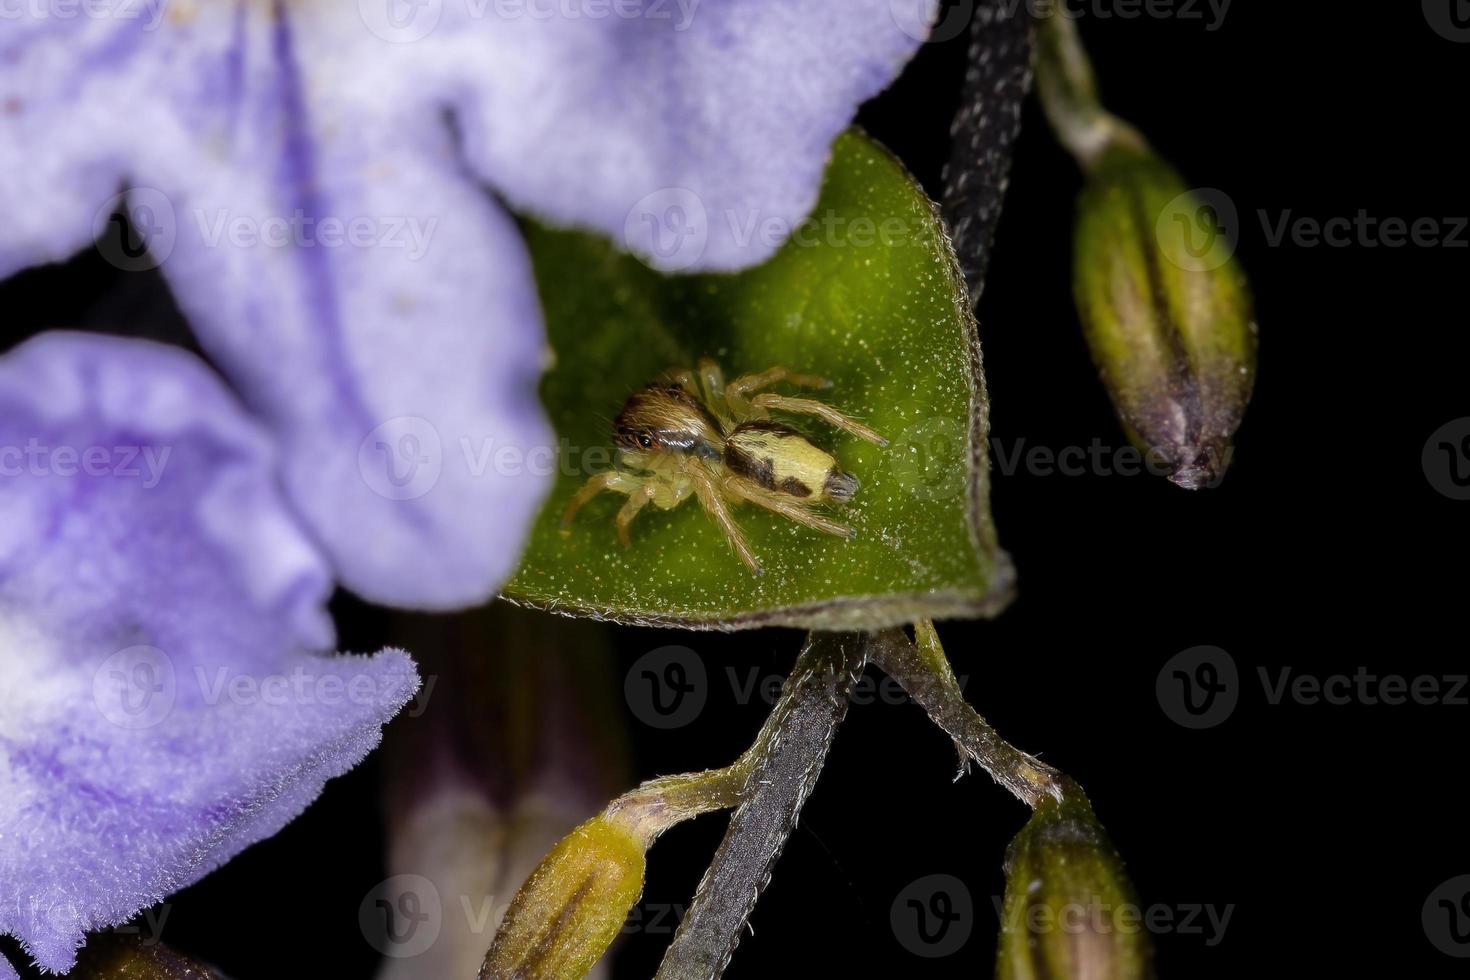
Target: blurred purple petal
x,y
65,131
694,133
161,627
367,296
376,308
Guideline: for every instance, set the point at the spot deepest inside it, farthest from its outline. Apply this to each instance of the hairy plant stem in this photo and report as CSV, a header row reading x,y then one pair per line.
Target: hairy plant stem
x,y
779,773
1068,91
659,804
923,671
771,780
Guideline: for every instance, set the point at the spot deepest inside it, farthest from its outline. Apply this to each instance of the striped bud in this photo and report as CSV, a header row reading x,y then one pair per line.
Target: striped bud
x,y
1166,311
572,907
1069,910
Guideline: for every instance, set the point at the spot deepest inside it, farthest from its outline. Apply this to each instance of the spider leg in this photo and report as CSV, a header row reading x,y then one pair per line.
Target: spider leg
x,y
825,412
714,381
684,378
737,392
630,510
608,480
710,497
708,379
745,489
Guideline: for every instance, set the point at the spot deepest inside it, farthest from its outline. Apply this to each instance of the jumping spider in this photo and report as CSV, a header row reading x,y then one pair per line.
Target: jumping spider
x,y
691,433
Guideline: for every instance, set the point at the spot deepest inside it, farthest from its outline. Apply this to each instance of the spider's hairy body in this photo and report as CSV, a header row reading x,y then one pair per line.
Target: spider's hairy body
x,y
780,459
693,435
669,416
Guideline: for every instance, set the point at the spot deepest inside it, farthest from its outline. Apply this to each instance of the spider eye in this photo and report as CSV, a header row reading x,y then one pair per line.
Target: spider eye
x,y
644,440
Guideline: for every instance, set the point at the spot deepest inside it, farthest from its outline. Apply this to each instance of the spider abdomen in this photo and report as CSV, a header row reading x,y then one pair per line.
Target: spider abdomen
x,y
781,459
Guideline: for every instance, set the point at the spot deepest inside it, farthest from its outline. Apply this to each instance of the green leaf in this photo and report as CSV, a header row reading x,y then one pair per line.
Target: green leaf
x,y
868,294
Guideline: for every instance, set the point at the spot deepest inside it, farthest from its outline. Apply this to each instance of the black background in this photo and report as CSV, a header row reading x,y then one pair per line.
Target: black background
x,y
1323,828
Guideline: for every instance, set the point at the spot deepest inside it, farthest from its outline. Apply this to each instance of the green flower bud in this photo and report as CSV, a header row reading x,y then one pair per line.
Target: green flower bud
x,y
572,907
1166,311
1069,909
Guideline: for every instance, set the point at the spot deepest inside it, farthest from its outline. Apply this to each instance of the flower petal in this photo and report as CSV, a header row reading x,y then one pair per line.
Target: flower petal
x,y
694,133
366,295
377,308
159,609
65,128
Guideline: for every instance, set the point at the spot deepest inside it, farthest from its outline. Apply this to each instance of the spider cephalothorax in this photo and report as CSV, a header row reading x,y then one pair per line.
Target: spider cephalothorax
x,y
692,434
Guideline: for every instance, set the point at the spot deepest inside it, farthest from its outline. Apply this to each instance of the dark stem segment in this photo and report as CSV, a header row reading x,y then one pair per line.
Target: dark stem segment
x,y
984,129
813,703
924,673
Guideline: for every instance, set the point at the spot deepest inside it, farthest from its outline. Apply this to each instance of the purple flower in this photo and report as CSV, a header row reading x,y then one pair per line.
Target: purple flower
x,y
324,189
161,623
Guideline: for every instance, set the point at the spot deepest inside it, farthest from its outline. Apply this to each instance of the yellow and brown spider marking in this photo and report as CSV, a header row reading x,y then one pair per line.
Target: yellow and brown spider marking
x,y
693,435
666,417
779,458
